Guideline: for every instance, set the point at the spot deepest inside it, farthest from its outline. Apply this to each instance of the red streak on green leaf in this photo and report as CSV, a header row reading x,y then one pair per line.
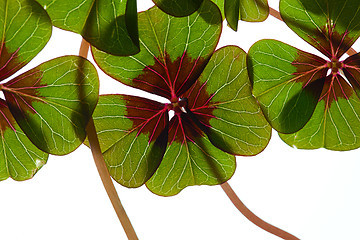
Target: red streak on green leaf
x,y
335,87
9,62
169,78
352,70
331,43
148,117
190,125
199,103
22,91
309,68
182,129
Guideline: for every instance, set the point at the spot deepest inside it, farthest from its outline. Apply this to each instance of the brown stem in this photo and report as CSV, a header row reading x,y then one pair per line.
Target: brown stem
x,y
252,217
84,48
351,51
277,15
102,169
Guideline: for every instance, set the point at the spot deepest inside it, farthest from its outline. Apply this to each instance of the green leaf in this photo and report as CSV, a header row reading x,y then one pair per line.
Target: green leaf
x,y
53,102
178,8
223,91
190,159
19,158
133,135
25,28
328,25
232,13
287,82
173,52
335,124
245,10
109,25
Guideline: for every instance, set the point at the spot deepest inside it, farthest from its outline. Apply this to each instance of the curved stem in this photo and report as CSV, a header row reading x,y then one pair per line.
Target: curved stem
x,y
277,15
252,217
102,169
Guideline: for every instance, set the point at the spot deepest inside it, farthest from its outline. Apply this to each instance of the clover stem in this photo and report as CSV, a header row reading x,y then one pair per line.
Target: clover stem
x,y
102,169
252,217
277,15
351,51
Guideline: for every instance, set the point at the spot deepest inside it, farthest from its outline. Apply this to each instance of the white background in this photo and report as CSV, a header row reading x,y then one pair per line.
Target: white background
x,y
311,194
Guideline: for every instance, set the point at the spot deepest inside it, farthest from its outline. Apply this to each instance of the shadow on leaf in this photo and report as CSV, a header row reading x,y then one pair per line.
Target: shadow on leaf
x,y
299,109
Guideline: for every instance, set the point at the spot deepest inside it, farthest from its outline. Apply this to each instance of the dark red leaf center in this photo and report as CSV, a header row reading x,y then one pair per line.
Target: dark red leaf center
x,y
178,105
168,77
335,65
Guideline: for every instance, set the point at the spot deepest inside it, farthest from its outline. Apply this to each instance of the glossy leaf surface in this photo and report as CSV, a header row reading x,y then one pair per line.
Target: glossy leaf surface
x,y
53,102
173,53
328,25
109,25
19,158
25,28
245,10
178,8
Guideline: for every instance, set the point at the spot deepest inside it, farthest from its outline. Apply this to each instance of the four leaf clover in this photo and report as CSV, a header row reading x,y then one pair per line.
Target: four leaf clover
x,y
313,102
215,115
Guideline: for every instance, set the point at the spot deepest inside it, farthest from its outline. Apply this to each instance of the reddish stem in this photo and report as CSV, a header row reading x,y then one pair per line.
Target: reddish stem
x,y
102,168
275,13
252,217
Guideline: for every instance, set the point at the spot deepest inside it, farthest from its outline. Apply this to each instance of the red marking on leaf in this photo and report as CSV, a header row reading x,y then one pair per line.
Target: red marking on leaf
x,y
169,78
352,70
22,91
335,87
148,117
309,68
331,43
190,125
183,129
198,103
9,62
6,118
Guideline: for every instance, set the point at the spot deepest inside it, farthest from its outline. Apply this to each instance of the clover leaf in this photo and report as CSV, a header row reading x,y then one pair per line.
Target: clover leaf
x,y
232,10
109,25
178,8
215,115
245,10
45,109
315,99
